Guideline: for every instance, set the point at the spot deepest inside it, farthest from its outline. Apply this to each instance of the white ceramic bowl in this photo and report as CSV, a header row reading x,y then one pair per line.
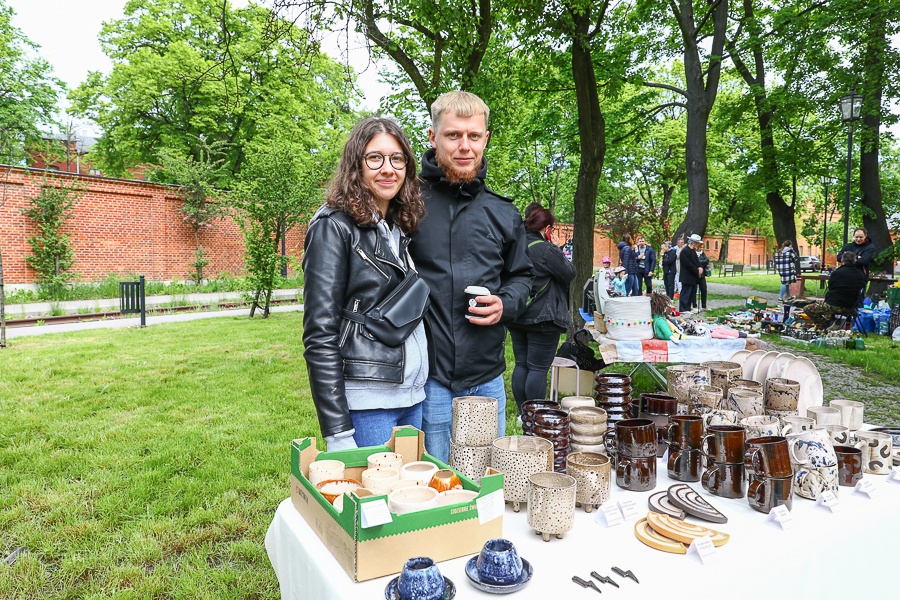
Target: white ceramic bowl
x,y
419,470
379,480
321,470
388,460
455,497
402,483
412,499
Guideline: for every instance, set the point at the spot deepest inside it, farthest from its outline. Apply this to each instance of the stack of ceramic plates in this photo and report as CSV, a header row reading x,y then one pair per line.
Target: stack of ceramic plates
x,y
803,371
749,363
761,371
776,369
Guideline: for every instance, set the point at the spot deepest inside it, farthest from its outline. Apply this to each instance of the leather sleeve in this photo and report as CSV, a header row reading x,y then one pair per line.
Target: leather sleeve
x,y
557,265
325,273
517,274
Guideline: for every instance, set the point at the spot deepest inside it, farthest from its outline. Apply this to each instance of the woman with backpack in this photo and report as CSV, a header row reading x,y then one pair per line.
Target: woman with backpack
x,y
535,334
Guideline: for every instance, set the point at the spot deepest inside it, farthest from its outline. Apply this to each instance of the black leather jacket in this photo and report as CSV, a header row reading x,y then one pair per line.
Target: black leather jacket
x,y
469,236
553,270
345,267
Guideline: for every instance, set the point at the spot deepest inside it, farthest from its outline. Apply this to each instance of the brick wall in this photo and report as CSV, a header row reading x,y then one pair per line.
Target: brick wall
x,y
121,227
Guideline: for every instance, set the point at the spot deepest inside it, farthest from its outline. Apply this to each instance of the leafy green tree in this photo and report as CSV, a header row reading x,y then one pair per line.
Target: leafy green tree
x,y
279,186
195,74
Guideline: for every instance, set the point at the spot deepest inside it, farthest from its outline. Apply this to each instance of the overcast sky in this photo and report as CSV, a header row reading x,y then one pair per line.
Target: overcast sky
x,y
67,31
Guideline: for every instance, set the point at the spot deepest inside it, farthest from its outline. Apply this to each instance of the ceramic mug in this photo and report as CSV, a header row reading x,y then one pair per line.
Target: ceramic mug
x,y
632,438
810,482
685,431
768,457
839,434
824,415
850,468
724,444
473,420
877,448
685,464
718,417
725,480
551,503
781,394
796,424
851,413
761,426
765,493
321,470
812,446
592,476
636,474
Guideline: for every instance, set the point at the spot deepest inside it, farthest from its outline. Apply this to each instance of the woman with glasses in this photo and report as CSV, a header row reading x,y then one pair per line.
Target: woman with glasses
x,y
354,256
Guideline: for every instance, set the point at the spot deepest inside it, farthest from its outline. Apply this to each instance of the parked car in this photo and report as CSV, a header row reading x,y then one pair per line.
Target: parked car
x,y
810,263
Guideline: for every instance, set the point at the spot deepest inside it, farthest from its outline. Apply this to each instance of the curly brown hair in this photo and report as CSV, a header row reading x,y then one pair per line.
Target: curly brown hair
x,y
349,194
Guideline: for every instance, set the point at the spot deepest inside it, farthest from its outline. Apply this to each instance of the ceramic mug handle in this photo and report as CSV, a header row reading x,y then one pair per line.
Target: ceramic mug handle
x,y
670,433
704,446
751,459
787,429
792,444
710,479
609,440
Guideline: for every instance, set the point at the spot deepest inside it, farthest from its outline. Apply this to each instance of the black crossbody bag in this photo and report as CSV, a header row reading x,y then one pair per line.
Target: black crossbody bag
x,y
394,319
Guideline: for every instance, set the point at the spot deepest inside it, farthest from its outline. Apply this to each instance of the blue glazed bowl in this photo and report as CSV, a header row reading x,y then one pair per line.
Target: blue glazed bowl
x,y
498,562
420,579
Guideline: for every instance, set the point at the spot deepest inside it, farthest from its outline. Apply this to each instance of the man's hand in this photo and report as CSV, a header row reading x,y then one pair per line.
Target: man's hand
x,y
491,311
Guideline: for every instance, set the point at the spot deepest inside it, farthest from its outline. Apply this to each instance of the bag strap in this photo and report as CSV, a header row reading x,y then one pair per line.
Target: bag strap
x,y
531,297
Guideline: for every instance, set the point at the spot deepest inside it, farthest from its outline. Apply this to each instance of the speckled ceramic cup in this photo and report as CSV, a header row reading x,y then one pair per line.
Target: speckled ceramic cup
x,y
473,420
722,372
681,378
551,503
781,394
704,398
747,402
518,457
592,477
877,448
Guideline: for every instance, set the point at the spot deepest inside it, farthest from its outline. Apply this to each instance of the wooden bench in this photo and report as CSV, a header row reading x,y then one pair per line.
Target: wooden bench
x,y
732,270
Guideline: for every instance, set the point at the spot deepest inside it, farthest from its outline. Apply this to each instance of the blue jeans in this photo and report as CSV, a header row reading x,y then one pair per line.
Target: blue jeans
x,y
785,291
437,412
374,427
632,285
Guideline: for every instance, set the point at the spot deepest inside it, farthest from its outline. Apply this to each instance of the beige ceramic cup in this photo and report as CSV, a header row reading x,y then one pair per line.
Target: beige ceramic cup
x,y
747,383
592,476
379,480
570,402
419,470
720,417
877,448
681,378
746,401
518,457
412,499
824,415
722,372
840,435
851,413
322,470
704,398
386,460
796,424
781,394
761,426
551,503
473,420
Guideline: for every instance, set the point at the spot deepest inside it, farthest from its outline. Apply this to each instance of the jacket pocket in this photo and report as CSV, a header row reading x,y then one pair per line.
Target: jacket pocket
x,y
368,359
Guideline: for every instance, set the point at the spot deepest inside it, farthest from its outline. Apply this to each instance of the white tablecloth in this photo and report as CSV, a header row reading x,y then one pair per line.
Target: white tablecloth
x,y
849,554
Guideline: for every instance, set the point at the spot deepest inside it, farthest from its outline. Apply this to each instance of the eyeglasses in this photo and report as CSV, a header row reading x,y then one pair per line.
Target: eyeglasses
x,y
375,160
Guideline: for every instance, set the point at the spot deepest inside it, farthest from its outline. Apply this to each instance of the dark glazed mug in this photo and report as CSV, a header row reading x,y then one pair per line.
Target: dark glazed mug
x,y
725,480
684,464
724,444
850,467
632,438
636,474
765,493
768,457
685,431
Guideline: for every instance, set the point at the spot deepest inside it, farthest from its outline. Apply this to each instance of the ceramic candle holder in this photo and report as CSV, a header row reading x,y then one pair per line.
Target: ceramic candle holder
x,y
379,480
498,563
592,476
470,461
551,504
332,488
474,420
419,470
518,457
321,470
445,480
420,579
386,460
412,499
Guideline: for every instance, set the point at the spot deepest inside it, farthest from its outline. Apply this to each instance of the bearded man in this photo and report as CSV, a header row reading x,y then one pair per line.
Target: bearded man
x,y
470,236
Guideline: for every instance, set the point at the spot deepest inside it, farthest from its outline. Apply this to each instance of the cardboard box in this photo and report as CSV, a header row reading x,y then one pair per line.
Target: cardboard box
x,y
570,378
755,303
441,533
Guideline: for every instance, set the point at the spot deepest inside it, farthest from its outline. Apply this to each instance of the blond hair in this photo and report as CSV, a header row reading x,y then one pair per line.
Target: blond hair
x,y
462,104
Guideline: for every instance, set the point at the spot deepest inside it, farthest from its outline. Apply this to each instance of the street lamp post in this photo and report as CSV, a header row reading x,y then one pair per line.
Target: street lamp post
x,y
826,181
851,107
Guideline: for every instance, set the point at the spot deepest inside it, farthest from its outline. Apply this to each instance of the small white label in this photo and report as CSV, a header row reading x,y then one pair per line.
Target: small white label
x,y
780,517
610,515
828,501
894,475
629,510
490,507
375,513
865,488
702,549
665,456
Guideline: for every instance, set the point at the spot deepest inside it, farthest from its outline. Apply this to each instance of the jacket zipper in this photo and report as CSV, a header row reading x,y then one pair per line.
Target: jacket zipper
x,y
365,257
348,324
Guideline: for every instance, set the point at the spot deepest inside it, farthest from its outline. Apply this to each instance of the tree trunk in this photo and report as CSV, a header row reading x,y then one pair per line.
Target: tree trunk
x,y
723,253
869,179
592,136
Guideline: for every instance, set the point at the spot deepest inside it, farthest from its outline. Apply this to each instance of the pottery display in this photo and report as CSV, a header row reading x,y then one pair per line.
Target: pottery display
x,y
445,480
616,412
659,502
681,378
518,457
412,499
721,373
804,371
420,579
528,409
613,393
682,531
877,447
473,420
747,383
551,503
761,371
851,413
378,480
894,432
661,404
332,488
592,476
587,424
724,446
321,470
470,461
781,394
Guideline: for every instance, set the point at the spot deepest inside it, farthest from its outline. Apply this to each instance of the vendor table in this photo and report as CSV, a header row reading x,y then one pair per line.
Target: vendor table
x,y
847,554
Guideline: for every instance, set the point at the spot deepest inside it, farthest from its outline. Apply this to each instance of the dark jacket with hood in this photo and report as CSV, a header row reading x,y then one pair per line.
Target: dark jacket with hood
x,y
669,259
628,258
469,236
553,270
690,265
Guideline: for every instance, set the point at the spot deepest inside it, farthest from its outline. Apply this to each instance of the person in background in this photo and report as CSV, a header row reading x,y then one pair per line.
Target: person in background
x,y
785,266
670,268
862,249
620,283
606,274
469,236
354,256
691,271
533,206
535,334
700,303
646,257
679,246
628,259
845,285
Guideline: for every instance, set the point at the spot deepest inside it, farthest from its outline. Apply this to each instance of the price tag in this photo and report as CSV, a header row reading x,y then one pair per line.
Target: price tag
x,y
828,501
609,515
702,549
780,517
630,510
375,513
865,488
490,507
665,456
894,475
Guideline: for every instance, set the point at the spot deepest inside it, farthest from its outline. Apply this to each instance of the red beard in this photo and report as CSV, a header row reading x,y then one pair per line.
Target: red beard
x,y
452,173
